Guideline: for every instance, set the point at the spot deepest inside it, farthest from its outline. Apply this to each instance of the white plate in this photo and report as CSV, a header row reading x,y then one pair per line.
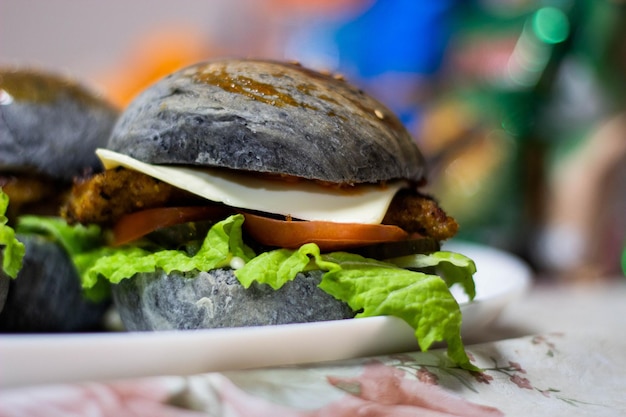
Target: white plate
x,y
36,359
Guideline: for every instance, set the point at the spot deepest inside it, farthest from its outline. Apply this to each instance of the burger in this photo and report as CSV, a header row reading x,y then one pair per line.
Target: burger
x,y
50,127
241,192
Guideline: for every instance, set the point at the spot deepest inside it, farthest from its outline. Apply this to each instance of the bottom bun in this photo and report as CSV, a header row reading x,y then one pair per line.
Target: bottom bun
x,y
46,296
216,299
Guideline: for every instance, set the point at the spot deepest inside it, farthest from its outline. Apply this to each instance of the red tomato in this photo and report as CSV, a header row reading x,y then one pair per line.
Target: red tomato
x,y
289,234
329,236
135,225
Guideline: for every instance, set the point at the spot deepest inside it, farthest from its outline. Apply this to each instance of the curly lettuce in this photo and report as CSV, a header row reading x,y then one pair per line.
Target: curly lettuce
x,y
376,288
11,250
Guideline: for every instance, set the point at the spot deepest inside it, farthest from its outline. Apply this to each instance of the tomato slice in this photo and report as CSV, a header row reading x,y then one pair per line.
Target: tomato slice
x,y
289,234
135,225
329,236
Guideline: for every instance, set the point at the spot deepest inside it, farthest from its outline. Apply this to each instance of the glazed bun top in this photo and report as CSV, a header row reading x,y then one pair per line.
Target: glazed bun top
x,y
50,124
270,117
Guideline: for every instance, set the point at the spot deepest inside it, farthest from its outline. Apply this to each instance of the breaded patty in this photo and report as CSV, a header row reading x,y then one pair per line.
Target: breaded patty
x,y
105,197
32,194
417,213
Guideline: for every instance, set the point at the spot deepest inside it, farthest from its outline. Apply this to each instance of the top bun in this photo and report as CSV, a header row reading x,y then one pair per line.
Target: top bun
x,y
271,117
50,125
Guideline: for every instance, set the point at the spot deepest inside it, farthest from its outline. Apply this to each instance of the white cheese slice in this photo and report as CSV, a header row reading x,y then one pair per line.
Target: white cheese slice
x,y
301,200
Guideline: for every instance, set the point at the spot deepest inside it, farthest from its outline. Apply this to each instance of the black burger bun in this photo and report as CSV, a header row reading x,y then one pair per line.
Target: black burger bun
x,y
46,296
270,117
50,126
216,299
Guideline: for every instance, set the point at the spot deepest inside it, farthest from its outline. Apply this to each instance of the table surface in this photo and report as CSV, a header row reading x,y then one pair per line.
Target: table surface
x,y
593,308
559,350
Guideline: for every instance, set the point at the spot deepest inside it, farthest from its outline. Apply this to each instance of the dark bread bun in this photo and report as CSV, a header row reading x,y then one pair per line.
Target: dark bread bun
x,y
265,116
216,299
50,125
46,296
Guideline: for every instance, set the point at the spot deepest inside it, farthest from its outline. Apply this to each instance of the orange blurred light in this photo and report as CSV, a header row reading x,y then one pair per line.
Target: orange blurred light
x,y
151,57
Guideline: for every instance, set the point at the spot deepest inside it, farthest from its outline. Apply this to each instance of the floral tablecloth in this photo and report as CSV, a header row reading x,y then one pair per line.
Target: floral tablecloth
x,y
566,367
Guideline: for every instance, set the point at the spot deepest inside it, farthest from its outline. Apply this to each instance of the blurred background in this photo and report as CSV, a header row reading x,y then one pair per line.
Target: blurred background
x,y
519,105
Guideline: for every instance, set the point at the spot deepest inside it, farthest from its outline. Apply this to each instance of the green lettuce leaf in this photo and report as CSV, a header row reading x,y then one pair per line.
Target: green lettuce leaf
x,y
222,244
80,243
376,288
453,267
276,267
11,249
74,239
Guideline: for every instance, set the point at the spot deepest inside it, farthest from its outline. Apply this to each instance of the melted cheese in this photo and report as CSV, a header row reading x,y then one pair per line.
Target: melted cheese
x,y
301,200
